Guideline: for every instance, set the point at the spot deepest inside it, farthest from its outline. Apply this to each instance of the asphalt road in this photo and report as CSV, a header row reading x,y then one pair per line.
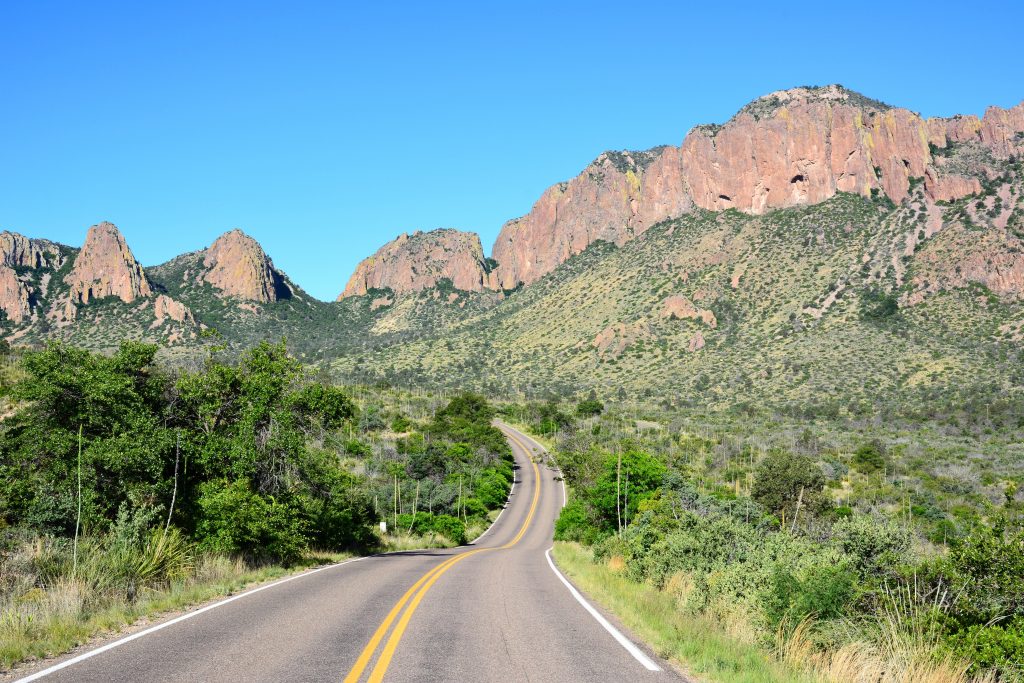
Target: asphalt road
x,y
492,611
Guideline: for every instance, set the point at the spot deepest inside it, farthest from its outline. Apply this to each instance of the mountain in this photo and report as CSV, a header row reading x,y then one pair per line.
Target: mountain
x,y
104,267
419,261
819,248
236,265
789,148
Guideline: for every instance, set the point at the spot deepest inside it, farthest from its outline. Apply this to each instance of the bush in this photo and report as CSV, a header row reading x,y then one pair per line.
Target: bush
x,y
871,544
574,524
236,520
876,304
451,528
998,647
869,458
824,592
987,573
589,408
783,479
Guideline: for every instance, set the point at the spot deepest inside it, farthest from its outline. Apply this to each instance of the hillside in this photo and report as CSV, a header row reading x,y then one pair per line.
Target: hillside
x,y
819,249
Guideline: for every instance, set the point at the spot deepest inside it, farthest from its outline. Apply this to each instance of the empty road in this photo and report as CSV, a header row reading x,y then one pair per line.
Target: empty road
x,y
492,611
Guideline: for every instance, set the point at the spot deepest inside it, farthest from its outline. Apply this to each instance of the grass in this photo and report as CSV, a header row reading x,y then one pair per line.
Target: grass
x,y
696,644
703,647
42,623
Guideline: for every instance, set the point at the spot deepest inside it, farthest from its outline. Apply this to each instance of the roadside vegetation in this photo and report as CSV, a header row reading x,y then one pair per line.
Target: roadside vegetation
x,y
127,489
794,549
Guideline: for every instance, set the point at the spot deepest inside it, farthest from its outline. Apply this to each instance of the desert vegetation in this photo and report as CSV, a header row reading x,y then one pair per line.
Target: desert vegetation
x,y
127,488
821,549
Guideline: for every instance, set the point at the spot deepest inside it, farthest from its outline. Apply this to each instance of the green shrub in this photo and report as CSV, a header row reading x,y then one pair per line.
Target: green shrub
x,y
451,528
823,592
236,520
784,479
574,524
871,544
996,647
869,458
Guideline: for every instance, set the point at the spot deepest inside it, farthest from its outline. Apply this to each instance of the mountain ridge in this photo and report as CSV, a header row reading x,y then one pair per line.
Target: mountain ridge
x,y
619,298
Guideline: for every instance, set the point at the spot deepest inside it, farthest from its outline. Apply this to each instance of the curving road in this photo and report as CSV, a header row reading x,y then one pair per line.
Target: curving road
x,y
492,611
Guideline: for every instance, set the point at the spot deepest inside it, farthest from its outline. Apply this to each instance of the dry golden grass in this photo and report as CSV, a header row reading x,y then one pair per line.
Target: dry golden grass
x,y
898,658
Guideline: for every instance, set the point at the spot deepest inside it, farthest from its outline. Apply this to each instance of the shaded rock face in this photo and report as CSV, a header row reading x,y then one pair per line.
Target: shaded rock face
x,y
106,267
19,252
419,261
792,147
615,199
164,307
237,265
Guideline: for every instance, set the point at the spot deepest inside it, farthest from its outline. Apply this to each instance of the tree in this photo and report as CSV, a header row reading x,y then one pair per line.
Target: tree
x,y
626,480
869,457
589,407
785,480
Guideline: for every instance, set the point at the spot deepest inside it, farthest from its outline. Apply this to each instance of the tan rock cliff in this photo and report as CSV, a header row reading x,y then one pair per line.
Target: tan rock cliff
x,y
18,251
106,267
414,262
792,147
237,265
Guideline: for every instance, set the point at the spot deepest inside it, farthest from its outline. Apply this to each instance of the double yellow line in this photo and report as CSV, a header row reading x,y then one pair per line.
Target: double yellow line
x,y
414,596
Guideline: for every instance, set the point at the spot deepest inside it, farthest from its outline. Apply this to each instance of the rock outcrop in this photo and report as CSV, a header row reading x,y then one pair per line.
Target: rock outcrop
x,y
106,267
616,198
237,265
419,261
948,187
18,252
792,147
164,308
678,307
613,340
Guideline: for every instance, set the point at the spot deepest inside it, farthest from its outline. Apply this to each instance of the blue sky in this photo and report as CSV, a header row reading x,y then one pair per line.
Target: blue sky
x,y
324,130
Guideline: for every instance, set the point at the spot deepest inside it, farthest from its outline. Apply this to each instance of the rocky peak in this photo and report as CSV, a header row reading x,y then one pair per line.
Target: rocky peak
x,y
418,261
106,267
768,105
237,265
789,148
16,288
18,251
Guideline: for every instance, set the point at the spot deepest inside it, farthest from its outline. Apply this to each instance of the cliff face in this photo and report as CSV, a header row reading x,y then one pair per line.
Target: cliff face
x,y
418,261
237,265
17,253
616,198
106,267
793,147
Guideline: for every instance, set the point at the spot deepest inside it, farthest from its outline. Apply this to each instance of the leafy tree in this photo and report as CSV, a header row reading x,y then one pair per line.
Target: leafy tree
x,y
784,479
620,490
222,452
877,304
869,458
119,404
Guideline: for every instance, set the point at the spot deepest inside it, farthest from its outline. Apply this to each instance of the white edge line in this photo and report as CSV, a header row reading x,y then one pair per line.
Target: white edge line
x,y
632,649
153,629
625,642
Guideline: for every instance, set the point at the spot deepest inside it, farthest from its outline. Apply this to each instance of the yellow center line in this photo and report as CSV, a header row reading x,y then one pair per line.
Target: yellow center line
x,y
422,586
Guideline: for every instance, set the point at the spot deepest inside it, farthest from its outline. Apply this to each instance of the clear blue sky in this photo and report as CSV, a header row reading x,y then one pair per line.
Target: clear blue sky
x,y
324,130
